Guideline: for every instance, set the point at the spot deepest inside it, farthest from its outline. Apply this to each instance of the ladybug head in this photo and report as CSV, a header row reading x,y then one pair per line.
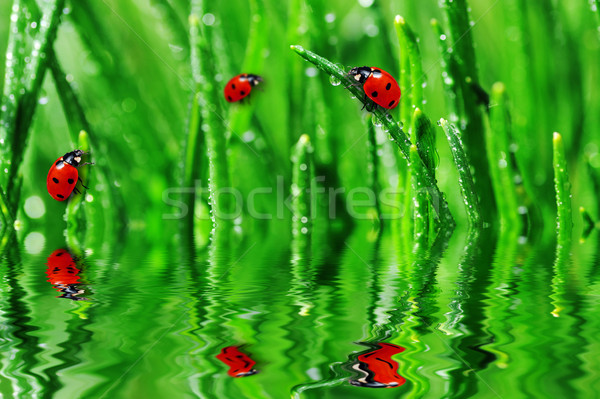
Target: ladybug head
x,y
360,74
73,158
254,79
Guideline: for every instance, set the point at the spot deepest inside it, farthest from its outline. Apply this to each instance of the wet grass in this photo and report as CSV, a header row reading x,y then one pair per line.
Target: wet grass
x,y
161,134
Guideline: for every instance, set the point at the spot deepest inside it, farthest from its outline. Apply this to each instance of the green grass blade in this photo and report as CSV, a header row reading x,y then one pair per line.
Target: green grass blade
x,y
564,218
302,194
449,72
193,162
425,134
467,186
25,71
210,101
8,218
69,100
11,139
398,136
76,218
470,96
373,163
253,61
412,79
498,140
420,202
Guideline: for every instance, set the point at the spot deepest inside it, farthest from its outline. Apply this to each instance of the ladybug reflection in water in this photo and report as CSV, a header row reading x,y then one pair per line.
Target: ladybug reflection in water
x,y
240,365
377,369
63,274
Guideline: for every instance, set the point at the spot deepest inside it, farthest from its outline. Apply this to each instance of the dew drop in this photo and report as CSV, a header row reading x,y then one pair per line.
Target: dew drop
x,y
376,121
334,81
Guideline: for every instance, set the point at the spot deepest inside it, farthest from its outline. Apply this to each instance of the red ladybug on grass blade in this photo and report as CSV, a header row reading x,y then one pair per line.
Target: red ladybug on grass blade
x,y
240,86
63,175
378,85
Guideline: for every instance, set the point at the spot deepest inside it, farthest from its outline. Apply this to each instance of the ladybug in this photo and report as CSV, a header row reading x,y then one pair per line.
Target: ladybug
x,y
63,175
63,274
240,365
378,369
378,85
240,86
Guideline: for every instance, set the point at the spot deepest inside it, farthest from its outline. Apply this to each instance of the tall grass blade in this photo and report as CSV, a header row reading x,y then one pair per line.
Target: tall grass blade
x,y
470,98
450,71
75,218
498,141
420,202
211,113
467,185
302,193
564,217
412,76
8,218
373,164
26,62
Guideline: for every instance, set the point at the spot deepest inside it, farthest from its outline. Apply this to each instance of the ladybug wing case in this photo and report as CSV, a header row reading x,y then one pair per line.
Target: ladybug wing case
x,y
383,89
61,180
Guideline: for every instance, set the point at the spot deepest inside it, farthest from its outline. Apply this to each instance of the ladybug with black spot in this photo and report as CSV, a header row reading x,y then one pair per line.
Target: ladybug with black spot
x,y
240,86
378,85
63,175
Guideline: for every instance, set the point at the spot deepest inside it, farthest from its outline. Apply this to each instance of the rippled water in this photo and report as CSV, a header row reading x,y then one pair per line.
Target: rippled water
x,y
476,317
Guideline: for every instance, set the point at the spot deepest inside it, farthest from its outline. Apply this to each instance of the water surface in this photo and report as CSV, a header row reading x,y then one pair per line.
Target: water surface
x,y
477,317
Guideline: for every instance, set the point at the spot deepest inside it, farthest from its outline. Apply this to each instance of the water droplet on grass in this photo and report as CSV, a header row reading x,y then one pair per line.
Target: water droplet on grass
x,y
334,81
376,121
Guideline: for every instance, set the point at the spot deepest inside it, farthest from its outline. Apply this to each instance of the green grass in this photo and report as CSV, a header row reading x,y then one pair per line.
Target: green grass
x,y
151,99
140,84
